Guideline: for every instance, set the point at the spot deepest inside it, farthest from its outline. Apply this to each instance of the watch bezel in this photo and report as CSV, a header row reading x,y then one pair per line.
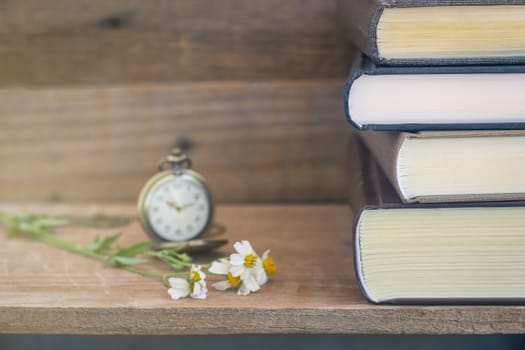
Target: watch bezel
x,y
157,181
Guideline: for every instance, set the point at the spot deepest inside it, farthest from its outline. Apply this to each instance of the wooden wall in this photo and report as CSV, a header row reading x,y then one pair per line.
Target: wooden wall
x,y
94,92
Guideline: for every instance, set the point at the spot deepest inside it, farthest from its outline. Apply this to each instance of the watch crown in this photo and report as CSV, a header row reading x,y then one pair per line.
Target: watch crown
x,y
175,159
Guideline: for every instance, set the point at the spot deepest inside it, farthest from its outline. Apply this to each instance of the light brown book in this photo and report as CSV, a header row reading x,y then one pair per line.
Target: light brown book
x,y
469,253
436,32
451,166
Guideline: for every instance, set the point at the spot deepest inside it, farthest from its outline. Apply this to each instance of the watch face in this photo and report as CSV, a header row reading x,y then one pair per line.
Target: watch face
x,y
178,209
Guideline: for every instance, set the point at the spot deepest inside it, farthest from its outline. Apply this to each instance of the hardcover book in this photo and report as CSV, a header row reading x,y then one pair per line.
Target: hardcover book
x,y
436,98
428,254
437,32
451,166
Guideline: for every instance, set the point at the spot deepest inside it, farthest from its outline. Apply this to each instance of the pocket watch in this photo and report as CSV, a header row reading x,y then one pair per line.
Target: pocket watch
x,y
175,204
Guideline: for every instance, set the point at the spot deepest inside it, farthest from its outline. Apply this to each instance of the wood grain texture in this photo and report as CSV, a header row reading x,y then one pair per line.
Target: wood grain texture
x,y
269,141
121,41
44,290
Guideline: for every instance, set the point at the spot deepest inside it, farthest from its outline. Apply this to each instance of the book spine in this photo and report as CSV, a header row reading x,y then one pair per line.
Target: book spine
x,y
363,177
384,147
348,87
362,193
358,267
369,187
360,65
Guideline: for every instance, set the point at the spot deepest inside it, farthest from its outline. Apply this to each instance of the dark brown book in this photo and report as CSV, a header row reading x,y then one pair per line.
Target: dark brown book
x,y
436,32
466,253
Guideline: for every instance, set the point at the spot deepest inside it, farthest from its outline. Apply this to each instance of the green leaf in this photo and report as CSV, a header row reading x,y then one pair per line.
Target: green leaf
x,y
135,250
26,217
102,245
124,260
94,245
185,257
107,262
27,227
12,230
48,222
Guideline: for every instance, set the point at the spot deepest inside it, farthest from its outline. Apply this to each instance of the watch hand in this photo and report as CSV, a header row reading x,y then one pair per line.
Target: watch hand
x,y
173,205
186,206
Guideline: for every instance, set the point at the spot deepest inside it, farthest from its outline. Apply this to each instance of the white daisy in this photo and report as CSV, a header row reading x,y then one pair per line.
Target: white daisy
x,y
199,290
244,260
198,282
268,264
265,267
223,267
194,285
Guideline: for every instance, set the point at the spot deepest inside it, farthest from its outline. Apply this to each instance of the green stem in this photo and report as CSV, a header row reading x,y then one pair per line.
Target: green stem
x,y
174,260
53,240
48,237
145,273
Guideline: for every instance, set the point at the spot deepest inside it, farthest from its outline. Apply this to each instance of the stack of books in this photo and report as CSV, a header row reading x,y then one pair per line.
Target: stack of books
x,y
438,98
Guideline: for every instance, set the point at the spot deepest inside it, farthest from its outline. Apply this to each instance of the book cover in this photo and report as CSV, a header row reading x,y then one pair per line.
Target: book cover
x,y
462,253
434,97
437,32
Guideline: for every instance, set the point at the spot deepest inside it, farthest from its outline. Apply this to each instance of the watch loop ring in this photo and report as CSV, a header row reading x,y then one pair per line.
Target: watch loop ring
x,y
176,159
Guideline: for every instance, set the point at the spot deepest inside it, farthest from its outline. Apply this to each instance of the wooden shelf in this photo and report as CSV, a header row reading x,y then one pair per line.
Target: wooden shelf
x,y
44,290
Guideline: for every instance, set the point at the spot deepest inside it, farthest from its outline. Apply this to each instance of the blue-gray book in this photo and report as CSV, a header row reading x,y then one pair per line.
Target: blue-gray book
x,y
409,98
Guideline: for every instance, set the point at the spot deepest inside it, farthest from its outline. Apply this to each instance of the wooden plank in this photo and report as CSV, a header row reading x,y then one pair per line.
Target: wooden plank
x,y
121,41
253,141
44,290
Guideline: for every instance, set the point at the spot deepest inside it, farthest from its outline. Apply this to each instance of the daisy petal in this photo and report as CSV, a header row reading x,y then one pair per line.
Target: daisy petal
x,y
219,268
236,259
236,271
265,254
243,247
199,291
245,274
202,296
177,293
260,275
222,285
243,290
176,282
251,284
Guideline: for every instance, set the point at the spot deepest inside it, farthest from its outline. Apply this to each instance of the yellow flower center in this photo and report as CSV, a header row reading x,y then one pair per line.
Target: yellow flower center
x,y
194,276
269,266
233,281
250,260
